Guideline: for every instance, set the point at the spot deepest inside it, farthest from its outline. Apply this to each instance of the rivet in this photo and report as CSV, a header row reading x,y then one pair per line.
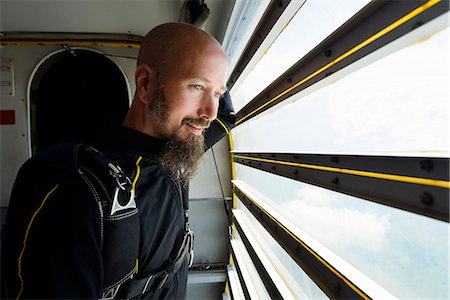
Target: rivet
x,y
337,286
427,199
426,165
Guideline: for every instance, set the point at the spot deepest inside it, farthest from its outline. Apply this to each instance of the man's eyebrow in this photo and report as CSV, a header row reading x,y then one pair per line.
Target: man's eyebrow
x,y
222,88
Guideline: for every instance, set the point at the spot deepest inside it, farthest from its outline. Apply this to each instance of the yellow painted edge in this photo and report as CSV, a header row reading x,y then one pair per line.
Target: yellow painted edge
x,y
233,167
71,42
325,263
223,125
408,179
358,47
27,232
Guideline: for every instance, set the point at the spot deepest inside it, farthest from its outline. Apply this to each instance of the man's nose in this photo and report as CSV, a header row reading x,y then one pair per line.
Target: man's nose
x,y
208,107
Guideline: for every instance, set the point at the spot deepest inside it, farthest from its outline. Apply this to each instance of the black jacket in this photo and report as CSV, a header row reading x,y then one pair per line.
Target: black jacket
x,y
161,202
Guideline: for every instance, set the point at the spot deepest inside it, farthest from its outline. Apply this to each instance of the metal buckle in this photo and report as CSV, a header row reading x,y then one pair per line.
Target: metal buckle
x,y
115,207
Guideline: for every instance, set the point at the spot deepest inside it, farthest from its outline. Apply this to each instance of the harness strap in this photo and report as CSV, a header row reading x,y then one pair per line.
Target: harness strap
x,y
136,286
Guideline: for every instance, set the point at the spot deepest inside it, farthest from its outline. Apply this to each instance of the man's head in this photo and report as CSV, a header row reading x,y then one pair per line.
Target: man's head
x,y
180,78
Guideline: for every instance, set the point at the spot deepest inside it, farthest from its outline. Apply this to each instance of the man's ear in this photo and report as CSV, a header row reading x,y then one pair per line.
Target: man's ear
x,y
145,82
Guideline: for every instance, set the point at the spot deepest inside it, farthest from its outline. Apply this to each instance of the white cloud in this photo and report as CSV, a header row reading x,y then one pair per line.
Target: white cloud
x,y
325,217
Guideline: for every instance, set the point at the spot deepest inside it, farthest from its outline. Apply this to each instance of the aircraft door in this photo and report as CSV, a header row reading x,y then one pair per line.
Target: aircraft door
x,y
74,94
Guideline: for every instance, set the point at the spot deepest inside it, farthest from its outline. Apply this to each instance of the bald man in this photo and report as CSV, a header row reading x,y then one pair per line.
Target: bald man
x,y
79,253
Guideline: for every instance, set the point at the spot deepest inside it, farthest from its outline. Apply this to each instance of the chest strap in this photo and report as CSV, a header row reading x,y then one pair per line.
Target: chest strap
x,y
155,281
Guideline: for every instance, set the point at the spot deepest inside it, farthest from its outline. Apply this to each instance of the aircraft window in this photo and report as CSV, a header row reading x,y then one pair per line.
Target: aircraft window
x,y
247,18
303,33
405,253
293,275
396,106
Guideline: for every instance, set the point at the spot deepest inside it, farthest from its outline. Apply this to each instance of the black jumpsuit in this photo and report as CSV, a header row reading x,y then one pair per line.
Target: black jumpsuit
x,y
53,250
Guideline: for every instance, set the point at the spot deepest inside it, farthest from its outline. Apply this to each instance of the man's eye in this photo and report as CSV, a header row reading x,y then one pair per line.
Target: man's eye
x,y
197,87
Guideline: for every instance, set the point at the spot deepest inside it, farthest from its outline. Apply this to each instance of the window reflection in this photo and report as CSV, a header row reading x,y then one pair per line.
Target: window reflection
x,y
405,253
398,105
298,281
304,32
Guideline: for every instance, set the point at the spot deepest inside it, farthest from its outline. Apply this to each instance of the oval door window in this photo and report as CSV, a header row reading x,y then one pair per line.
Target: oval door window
x,y
74,95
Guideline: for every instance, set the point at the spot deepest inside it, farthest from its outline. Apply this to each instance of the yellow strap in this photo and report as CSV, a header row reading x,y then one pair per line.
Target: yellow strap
x,y
133,187
27,232
138,173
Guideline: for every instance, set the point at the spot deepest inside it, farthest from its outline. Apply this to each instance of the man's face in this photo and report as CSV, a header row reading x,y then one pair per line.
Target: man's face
x,y
191,92
190,105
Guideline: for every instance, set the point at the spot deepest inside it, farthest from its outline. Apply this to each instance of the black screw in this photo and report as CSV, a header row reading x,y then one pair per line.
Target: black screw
x,y
327,53
289,80
295,172
337,286
426,165
426,199
335,180
417,25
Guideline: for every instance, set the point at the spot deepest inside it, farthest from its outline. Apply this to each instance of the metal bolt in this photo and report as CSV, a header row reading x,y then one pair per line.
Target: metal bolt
x,y
427,199
289,80
426,165
337,286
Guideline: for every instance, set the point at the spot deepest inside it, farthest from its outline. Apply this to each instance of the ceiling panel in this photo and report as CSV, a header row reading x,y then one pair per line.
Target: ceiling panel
x,y
102,16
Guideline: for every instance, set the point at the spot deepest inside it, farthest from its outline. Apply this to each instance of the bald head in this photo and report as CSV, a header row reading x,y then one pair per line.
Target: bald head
x,y
180,78
167,44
